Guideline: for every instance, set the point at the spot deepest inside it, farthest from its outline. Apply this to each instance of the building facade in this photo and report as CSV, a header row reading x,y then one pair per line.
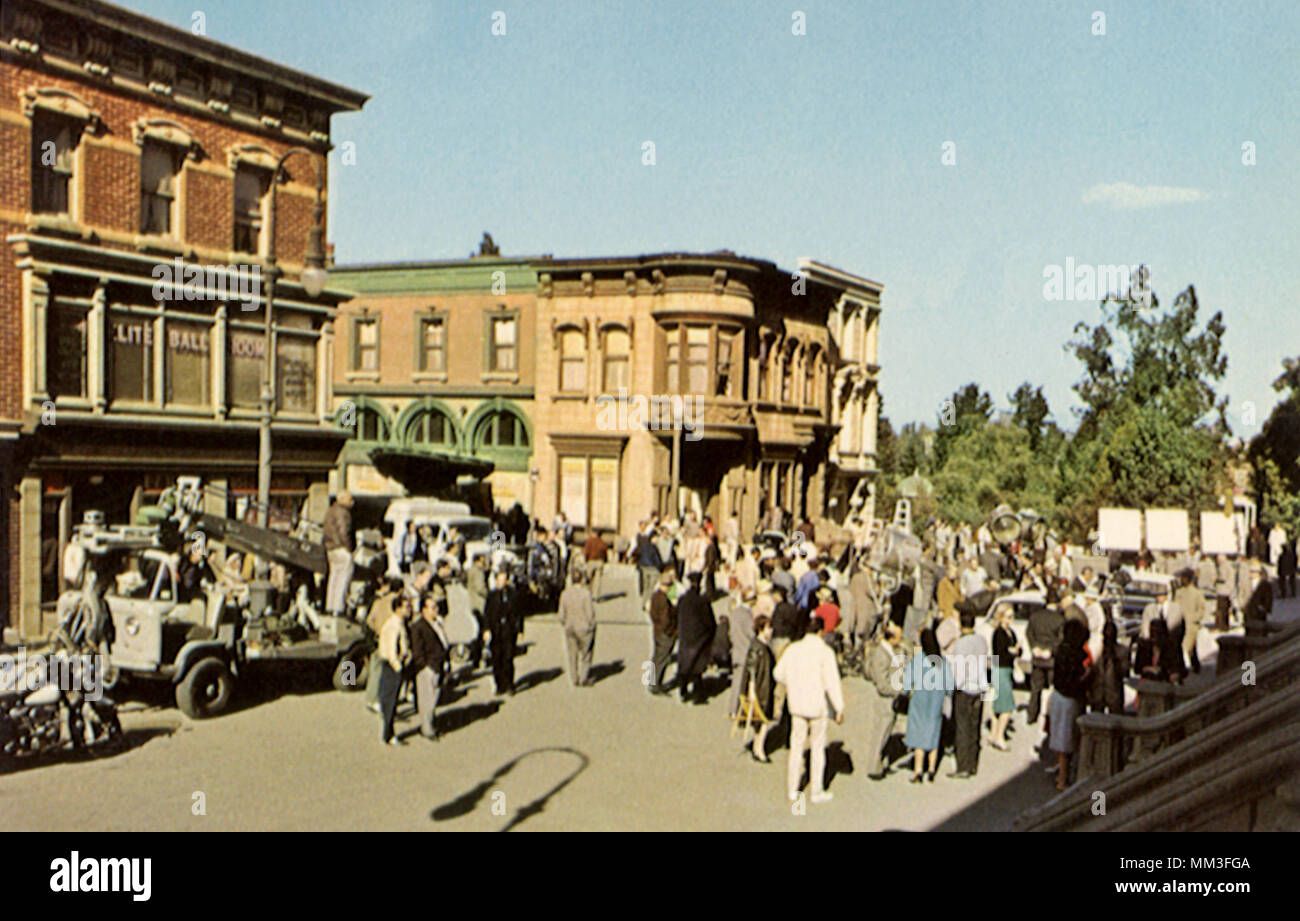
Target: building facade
x,y
638,385
434,370
136,164
711,383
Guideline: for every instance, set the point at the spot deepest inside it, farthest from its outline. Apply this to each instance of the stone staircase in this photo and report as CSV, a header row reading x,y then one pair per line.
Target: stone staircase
x,y
1226,758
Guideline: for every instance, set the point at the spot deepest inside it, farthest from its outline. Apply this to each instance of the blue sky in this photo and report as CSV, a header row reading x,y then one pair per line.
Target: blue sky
x,y
830,145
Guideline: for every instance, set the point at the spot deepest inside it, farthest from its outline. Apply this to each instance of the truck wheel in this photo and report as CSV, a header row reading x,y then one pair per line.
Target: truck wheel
x,y
206,689
352,671
111,674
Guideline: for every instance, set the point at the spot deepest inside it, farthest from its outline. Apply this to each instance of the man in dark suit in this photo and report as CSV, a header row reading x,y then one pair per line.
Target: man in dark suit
x,y
663,619
429,657
695,628
1044,631
501,613
1260,603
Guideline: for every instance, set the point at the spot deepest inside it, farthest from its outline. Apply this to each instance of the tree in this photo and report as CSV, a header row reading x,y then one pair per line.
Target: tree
x,y
990,465
886,443
1152,429
1140,357
1274,453
966,410
1030,412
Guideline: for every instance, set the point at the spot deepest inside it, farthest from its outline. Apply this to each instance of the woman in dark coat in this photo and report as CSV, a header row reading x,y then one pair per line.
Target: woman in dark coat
x,y
695,628
1107,693
758,674
1160,658
1071,677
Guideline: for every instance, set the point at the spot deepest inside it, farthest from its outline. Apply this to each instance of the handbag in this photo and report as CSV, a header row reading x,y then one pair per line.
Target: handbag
x,y
900,703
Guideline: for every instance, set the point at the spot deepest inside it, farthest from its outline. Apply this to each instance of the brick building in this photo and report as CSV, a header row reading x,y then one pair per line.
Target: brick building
x,y
132,154
761,379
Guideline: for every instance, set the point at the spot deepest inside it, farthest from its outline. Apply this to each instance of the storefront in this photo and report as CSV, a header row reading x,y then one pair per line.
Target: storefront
x,y
127,393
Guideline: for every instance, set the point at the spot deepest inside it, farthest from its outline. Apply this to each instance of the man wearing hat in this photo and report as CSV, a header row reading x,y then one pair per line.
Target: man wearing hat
x,y
740,627
502,619
663,620
1166,610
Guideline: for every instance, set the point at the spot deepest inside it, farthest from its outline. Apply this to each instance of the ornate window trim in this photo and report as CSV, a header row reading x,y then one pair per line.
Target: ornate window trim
x,y
61,102
165,131
251,155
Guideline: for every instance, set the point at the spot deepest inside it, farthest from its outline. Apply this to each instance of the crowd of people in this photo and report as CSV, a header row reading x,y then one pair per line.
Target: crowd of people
x,y
939,649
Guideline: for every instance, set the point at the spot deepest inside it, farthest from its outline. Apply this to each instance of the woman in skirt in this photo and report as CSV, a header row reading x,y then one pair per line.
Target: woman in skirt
x,y
929,680
1071,676
1006,649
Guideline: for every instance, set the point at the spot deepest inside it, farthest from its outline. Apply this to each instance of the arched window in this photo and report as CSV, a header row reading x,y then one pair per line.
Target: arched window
x,y
371,424
430,428
573,360
501,429
787,371
618,348
810,377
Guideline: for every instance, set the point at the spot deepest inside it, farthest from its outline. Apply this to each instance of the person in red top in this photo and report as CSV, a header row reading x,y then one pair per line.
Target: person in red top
x,y
595,550
827,610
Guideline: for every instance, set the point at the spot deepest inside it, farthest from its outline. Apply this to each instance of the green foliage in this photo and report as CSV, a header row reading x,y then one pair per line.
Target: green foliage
x,y
1151,433
1141,357
990,465
966,410
1274,453
1029,411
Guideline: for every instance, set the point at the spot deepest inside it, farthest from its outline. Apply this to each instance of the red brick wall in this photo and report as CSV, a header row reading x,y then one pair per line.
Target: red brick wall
x,y
111,179
112,188
209,215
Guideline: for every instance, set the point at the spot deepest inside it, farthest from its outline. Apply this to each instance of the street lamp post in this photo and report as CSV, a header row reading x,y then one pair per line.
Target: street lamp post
x,y
313,282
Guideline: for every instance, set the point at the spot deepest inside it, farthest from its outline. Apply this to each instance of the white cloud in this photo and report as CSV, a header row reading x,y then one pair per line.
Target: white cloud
x,y
1125,196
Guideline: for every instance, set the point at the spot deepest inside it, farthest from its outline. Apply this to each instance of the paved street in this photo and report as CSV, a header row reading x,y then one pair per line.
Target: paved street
x,y
552,757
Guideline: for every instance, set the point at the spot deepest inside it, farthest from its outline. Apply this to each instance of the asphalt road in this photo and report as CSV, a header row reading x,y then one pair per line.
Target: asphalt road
x,y
296,756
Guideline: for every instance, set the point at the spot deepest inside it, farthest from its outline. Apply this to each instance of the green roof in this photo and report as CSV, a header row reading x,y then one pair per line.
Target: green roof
x,y
467,275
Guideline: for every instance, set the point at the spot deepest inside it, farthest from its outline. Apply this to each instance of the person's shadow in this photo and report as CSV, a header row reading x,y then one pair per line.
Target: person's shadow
x,y
534,678
599,673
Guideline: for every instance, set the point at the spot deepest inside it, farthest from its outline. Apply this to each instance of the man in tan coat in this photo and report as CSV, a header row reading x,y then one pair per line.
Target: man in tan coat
x,y
1191,600
883,664
577,614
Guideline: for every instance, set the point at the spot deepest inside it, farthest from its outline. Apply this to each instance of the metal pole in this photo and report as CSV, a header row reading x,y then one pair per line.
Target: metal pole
x,y
673,509
268,369
268,383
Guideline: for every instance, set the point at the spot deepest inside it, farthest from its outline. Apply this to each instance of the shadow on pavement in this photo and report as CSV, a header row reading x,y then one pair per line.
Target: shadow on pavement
x,y
534,678
997,808
468,801
599,673
131,739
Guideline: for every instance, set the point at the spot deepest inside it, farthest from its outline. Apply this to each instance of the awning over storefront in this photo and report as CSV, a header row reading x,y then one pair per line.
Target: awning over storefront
x,y
424,472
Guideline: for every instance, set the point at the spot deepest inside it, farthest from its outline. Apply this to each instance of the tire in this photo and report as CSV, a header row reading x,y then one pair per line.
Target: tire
x,y
206,689
112,675
360,662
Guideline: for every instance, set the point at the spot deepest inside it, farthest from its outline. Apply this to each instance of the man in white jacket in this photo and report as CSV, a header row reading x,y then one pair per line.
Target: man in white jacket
x,y
811,677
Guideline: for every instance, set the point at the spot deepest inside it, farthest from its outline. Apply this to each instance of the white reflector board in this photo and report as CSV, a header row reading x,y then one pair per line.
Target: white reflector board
x,y
1218,533
1120,528
1168,529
